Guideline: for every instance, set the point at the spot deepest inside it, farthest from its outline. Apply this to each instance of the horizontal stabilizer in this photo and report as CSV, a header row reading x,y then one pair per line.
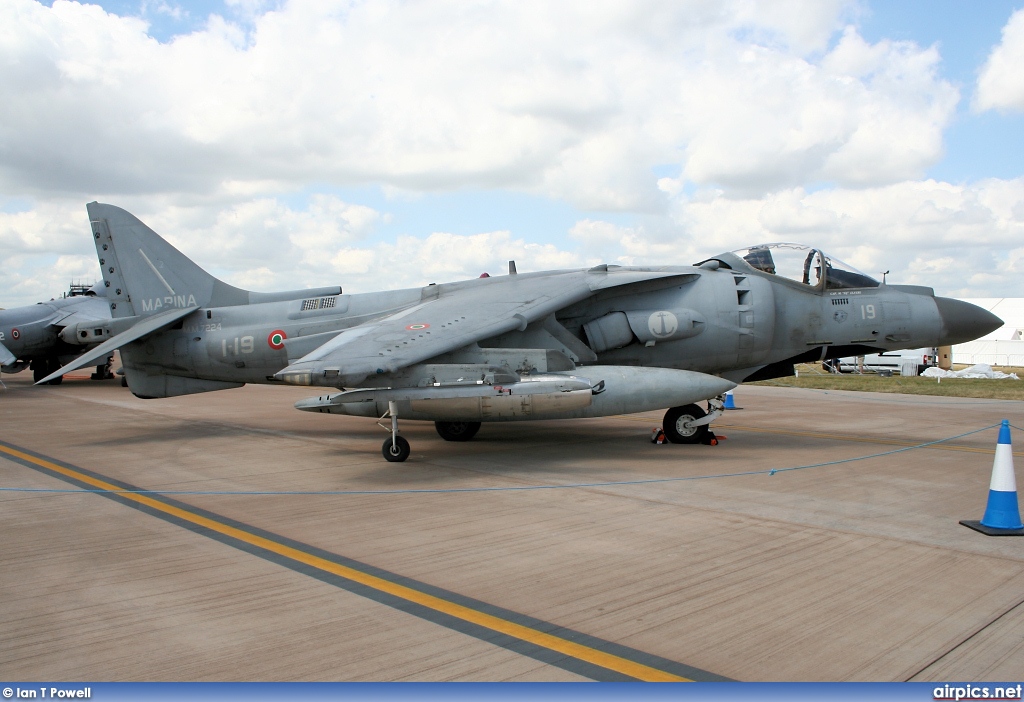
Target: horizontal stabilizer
x,y
6,357
148,325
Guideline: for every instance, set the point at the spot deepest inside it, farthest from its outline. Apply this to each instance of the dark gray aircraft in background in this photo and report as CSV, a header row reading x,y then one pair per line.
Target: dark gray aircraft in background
x,y
551,345
46,335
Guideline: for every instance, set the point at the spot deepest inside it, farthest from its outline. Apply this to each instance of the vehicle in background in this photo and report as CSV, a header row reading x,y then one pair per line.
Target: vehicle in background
x,y
899,361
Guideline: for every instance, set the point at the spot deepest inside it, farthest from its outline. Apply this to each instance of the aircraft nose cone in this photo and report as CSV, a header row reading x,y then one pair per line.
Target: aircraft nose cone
x,y
962,321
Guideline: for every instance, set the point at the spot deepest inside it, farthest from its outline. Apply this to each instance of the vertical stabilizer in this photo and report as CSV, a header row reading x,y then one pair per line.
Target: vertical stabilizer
x,y
145,275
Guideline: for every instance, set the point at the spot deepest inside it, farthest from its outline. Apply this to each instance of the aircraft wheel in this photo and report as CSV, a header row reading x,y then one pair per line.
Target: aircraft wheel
x,y
397,451
457,431
675,421
51,366
42,367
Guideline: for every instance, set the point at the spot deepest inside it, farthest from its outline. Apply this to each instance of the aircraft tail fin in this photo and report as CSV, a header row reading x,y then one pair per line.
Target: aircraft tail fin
x,y
144,274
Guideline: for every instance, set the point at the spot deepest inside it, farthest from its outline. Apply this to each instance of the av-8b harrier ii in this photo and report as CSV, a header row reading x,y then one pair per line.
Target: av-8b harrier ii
x,y
551,345
45,335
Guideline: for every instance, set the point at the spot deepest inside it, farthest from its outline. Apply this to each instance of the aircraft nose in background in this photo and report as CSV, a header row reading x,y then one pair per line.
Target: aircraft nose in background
x,y
962,321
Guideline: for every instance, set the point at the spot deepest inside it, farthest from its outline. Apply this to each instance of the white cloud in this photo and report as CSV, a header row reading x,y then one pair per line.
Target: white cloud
x,y
575,101
265,243
751,106
864,115
50,228
914,229
413,261
1001,81
954,238
160,7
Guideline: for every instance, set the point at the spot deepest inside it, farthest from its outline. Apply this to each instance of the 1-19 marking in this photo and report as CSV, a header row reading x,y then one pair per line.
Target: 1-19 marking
x,y
245,344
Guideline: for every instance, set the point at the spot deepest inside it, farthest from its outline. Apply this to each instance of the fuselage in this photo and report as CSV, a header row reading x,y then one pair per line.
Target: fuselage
x,y
33,331
729,322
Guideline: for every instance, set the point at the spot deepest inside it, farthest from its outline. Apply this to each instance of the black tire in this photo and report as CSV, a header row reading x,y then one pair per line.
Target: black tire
x,y
397,451
52,366
42,367
674,428
457,431
102,373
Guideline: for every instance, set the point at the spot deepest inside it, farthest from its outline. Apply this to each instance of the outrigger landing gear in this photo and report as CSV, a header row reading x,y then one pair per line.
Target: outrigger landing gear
x,y
103,370
689,424
395,449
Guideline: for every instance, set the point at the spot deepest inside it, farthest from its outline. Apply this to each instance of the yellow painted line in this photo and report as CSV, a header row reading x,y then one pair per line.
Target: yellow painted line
x,y
840,437
488,621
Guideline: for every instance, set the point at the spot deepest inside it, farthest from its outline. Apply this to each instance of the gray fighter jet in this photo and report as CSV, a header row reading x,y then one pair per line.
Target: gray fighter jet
x,y
48,334
551,345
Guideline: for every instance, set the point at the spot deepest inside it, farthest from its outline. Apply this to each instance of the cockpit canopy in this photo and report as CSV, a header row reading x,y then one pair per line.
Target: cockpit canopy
x,y
804,265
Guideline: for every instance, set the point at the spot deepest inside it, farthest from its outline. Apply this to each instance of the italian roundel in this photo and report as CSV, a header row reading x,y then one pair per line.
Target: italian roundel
x,y
276,339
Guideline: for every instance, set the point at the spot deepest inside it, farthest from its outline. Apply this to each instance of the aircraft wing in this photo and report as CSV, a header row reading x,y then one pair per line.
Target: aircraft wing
x,y
6,357
148,325
458,315
77,317
452,319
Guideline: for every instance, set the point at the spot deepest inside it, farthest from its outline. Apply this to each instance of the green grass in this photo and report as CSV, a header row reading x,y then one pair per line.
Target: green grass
x,y
811,376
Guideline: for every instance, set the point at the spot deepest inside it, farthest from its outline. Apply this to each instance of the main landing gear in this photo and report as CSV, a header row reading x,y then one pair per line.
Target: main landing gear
x,y
457,431
395,449
689,424
42,367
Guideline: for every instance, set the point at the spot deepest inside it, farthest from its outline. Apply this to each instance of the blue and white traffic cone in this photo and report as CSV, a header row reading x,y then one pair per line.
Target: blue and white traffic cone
x,y
1002,515
730,404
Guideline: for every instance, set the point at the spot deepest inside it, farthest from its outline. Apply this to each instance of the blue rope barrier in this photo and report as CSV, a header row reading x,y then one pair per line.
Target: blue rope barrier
x,y
893,398
413,491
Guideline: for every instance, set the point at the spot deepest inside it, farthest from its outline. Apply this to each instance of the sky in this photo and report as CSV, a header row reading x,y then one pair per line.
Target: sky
x,y
376,145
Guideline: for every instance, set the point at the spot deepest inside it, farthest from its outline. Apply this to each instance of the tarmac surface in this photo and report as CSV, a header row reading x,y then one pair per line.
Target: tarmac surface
x,y
468,562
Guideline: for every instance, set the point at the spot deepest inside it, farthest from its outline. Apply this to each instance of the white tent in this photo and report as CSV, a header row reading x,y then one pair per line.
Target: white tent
x,y
1004,346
